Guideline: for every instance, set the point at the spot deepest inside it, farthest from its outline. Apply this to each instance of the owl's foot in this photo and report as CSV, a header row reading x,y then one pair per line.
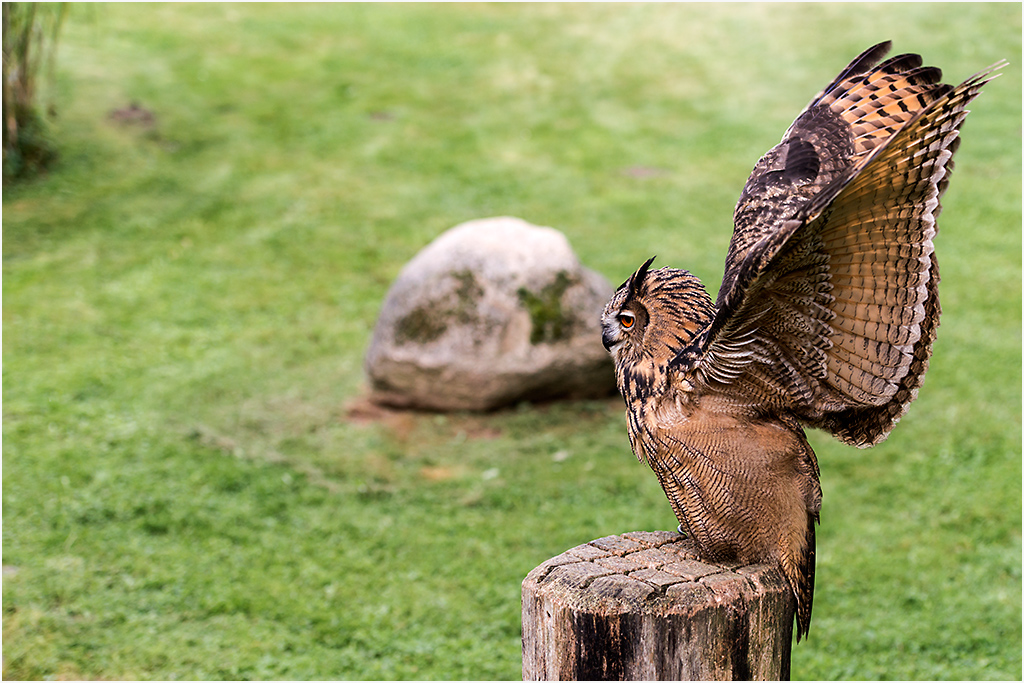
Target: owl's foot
x,y
679,530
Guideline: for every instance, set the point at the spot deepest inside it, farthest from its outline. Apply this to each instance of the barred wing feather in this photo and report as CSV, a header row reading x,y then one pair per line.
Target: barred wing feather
x,y
829,303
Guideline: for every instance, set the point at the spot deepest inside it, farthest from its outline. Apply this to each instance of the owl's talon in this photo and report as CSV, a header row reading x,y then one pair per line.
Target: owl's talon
x,y
679,530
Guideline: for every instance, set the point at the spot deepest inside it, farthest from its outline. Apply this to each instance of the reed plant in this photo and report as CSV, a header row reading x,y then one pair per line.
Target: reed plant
x,y
30,37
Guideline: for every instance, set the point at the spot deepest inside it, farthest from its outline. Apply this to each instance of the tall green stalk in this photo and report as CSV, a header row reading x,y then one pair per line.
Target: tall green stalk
x,y
30,32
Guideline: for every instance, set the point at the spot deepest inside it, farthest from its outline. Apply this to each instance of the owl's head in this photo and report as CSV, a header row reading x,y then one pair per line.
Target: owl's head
x,y
653,315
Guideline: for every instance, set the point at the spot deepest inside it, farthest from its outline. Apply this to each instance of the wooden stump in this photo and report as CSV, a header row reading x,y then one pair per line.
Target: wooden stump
x,y
642,606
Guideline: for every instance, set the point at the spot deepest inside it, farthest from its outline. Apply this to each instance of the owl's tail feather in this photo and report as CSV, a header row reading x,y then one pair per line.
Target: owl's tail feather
x,y
802,582
801,571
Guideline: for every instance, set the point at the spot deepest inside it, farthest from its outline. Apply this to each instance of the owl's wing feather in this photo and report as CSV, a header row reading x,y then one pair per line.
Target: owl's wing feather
x,y
829,302
860,64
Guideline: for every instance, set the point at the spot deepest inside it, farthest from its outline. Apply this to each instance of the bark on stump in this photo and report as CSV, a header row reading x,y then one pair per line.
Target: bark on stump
x,y
641,606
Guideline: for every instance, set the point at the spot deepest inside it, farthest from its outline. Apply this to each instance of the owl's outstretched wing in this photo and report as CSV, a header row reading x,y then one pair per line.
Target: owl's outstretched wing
x,y
829,302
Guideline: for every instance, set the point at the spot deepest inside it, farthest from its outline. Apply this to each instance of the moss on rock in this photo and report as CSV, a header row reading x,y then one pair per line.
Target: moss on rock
x,y
549,322
422,324
428,322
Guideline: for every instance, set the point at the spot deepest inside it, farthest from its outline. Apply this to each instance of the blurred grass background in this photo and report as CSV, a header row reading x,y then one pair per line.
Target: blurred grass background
x,y
192,487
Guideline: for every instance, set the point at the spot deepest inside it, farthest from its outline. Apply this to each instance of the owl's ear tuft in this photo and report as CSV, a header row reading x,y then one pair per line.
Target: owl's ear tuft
x,y
639,276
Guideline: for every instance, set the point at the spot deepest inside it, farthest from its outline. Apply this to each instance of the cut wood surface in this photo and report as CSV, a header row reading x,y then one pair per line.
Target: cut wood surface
x,y
643,606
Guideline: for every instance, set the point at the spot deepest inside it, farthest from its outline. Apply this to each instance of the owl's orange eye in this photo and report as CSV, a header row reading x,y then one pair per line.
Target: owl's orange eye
x,y
626,320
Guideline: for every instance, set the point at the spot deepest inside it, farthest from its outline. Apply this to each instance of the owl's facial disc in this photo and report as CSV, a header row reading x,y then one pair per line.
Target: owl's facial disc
x,y
620,322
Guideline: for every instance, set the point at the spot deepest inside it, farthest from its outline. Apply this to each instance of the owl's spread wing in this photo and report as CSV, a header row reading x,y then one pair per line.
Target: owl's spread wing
x,y
829,302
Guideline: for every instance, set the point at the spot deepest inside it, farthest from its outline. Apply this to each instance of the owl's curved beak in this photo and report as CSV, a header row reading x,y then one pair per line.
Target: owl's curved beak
x,y
608,337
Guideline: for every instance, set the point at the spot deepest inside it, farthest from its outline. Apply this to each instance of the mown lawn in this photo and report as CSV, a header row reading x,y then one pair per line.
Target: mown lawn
x,y
193,488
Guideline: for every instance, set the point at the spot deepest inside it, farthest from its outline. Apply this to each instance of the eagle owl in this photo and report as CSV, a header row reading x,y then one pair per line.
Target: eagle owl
x,y
825,318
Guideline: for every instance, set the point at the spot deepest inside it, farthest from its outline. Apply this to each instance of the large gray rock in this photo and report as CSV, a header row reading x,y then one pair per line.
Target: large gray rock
x,y
492,312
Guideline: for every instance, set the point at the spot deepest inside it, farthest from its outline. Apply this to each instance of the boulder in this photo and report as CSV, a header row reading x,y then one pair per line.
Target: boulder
x,y
492,312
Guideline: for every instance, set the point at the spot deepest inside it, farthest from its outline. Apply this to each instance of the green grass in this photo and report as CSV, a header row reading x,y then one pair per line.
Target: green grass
x,y
188,493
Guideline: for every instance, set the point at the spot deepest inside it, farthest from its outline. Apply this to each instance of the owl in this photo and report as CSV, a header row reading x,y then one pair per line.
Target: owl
x,y
825,318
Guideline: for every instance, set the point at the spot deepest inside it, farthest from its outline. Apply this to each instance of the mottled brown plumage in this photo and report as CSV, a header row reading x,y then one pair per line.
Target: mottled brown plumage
x,y
825,318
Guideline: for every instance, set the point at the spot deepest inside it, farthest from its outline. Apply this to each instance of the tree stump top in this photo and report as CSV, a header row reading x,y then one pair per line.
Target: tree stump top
x,y
643,605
